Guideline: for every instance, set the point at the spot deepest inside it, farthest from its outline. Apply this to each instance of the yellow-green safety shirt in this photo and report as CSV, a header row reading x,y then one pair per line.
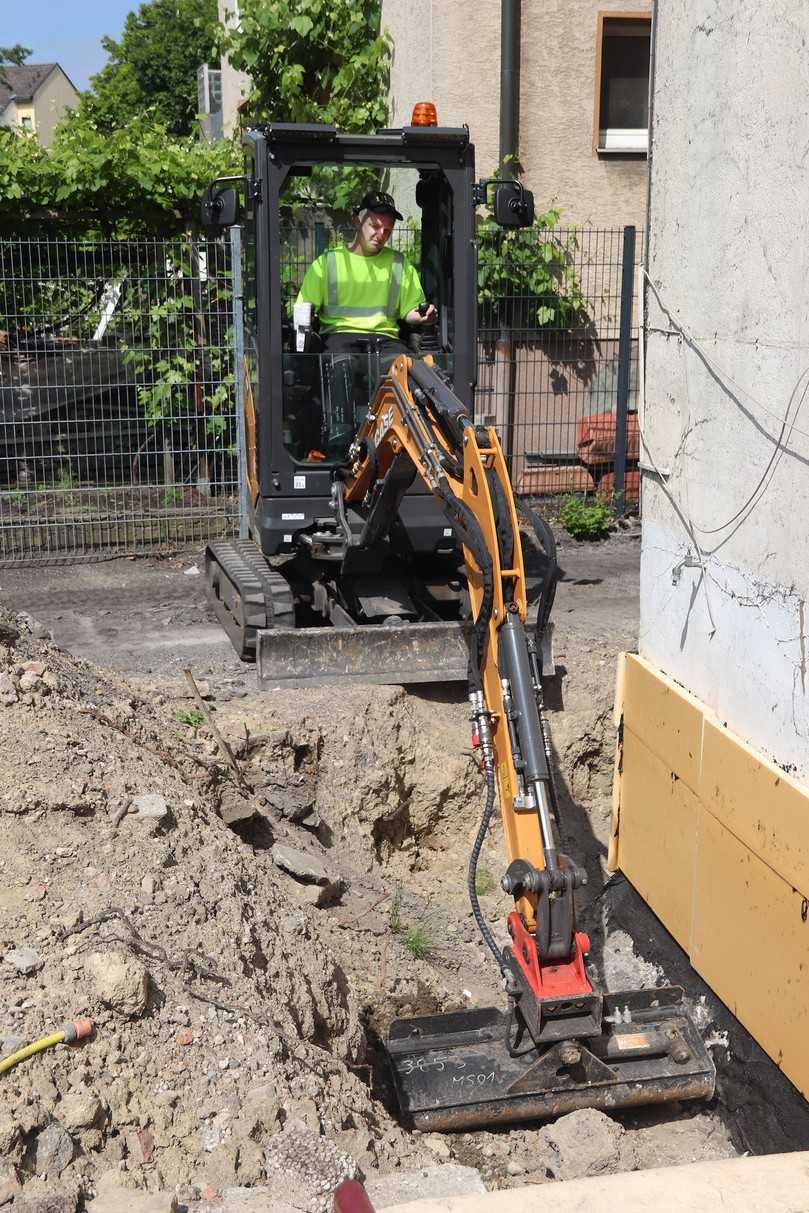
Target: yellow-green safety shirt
x,y
357,294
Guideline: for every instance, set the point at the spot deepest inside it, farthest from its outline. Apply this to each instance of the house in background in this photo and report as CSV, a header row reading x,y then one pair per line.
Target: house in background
x,y
581,96
34,98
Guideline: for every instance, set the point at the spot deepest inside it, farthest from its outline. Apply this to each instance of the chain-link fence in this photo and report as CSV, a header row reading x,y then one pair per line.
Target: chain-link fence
x,y
118,426
116,405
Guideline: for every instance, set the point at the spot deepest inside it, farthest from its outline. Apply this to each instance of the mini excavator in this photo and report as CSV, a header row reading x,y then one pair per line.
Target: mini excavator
x,y
561,1044
394,528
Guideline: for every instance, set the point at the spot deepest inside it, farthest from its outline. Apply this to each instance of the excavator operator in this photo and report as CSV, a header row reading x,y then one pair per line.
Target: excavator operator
x,y
362,292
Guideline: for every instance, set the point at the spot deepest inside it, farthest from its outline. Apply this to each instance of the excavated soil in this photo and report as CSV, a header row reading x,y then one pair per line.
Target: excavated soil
x,y
242,934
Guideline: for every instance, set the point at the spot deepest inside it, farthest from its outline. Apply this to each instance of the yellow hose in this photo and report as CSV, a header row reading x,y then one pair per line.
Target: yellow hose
x,y
79,1029
44,1043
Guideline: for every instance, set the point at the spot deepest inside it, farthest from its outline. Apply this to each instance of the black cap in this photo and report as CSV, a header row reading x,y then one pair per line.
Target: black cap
x,y
379,203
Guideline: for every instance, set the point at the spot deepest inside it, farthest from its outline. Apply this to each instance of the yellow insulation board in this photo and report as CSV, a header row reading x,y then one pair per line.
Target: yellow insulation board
x,y
716,839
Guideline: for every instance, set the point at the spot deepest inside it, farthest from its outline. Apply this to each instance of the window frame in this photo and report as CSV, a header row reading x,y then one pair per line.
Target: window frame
x,y
602,18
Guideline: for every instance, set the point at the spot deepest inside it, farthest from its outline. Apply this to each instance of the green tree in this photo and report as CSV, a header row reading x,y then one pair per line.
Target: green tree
x,y
313,61
154,66
137,178
12,56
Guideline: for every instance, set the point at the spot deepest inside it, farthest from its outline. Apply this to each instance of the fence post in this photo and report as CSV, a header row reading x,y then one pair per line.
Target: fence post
x,y
624,356
238,373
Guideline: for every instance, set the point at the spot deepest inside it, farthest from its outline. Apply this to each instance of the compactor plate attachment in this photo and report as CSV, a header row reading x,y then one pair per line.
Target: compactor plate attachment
x,y
466,1070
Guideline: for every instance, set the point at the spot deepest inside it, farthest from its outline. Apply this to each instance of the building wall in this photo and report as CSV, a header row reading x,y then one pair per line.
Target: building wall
x,y
53,98
725,564
448,51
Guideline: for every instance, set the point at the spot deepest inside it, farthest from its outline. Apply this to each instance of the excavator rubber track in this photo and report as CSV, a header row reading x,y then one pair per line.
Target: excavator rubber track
x,y
246,594
463,1070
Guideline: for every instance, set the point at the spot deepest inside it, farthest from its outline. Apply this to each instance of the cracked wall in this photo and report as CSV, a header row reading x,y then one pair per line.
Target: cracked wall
x,y
725,560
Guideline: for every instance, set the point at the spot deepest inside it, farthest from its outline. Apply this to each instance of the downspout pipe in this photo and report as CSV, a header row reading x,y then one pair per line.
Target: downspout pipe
x,y
510,19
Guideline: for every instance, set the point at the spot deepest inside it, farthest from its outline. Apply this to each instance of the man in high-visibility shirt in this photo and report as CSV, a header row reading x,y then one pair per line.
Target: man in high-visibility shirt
x,y
363,290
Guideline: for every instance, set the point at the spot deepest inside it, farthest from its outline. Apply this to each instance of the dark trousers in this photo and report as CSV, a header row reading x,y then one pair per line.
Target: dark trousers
x,y
356,364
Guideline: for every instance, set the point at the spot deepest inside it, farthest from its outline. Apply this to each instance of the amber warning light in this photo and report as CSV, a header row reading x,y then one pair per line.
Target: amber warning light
x,y
424,114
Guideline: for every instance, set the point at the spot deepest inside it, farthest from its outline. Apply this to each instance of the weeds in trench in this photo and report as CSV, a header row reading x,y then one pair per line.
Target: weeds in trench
x,y
419,943
190,716
417,940
484,882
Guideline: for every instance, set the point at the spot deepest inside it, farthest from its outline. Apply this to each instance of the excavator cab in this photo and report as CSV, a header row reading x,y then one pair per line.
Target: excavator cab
x,y
307,592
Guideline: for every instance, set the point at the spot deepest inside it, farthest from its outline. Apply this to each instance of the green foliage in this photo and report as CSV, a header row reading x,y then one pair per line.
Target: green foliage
x,y
153,68
138,178
526,276
15,55
313,61
316,61
190,716
589,518
419,943
484,882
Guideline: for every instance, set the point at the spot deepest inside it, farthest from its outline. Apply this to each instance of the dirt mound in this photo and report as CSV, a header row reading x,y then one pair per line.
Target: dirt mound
x,y
240,976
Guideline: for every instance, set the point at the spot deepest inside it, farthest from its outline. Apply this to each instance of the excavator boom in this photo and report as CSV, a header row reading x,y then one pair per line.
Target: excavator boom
x,y
562,1043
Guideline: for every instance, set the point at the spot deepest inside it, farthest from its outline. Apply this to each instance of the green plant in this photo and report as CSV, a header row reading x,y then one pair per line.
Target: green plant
x,y
419,943
190,716
484,882
396,909
586,518
527,276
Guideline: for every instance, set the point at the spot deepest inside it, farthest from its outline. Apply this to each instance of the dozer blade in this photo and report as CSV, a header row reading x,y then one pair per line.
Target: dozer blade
x,y
464,1070
372,653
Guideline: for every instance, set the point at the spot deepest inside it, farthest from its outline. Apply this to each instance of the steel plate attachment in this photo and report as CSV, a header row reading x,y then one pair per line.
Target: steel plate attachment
x,y
464,1070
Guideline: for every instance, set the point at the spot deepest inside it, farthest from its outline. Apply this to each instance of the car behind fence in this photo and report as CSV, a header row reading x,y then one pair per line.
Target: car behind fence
x,y
118,419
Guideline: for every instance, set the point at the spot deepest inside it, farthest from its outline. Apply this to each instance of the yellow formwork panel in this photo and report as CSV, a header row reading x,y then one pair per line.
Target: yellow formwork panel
x,y
716,839
750,942
657,836
665,717
756,801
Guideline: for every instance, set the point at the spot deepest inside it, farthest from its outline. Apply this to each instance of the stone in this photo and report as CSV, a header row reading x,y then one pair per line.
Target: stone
x,y
43,1197
303,1168
112,1198
438,1145
150,810
53,1150
33,667
261,1102
8,690
9,1181
121,982
80,1110
432,1183
581,1144
9,1135
30,681
300,864
24,960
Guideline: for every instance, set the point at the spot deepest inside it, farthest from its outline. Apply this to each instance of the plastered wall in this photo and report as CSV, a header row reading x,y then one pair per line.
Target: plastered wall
x,y
448,51
725,550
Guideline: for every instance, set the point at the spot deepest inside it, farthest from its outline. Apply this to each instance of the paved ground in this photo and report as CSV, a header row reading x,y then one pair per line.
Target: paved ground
x,y
147,615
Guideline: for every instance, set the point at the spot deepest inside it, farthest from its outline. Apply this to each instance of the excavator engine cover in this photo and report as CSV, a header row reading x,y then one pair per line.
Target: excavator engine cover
x,y
466,1070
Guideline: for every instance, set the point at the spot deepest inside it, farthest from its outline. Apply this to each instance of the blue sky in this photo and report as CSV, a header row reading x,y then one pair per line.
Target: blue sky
x,y
67,32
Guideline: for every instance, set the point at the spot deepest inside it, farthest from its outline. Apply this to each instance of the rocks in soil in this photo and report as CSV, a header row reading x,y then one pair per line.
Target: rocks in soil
x,y
585,1143
53,1150
303,1169
300,864
24,960
121,982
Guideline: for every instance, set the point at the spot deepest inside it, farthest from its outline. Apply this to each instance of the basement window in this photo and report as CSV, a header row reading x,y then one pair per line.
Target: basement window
x,y
622,83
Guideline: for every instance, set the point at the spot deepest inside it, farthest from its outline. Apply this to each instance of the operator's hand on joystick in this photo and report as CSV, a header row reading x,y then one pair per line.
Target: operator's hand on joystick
x,y
428,313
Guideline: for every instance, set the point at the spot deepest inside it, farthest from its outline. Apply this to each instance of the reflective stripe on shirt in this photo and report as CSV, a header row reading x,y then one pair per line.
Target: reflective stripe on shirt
x,y
391,308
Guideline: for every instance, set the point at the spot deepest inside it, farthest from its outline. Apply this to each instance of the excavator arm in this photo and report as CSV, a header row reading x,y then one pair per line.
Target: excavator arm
x,y
562,1045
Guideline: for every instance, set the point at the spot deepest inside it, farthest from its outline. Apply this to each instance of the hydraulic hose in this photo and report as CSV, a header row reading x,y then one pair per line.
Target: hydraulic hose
x,y
77,1030
485,820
